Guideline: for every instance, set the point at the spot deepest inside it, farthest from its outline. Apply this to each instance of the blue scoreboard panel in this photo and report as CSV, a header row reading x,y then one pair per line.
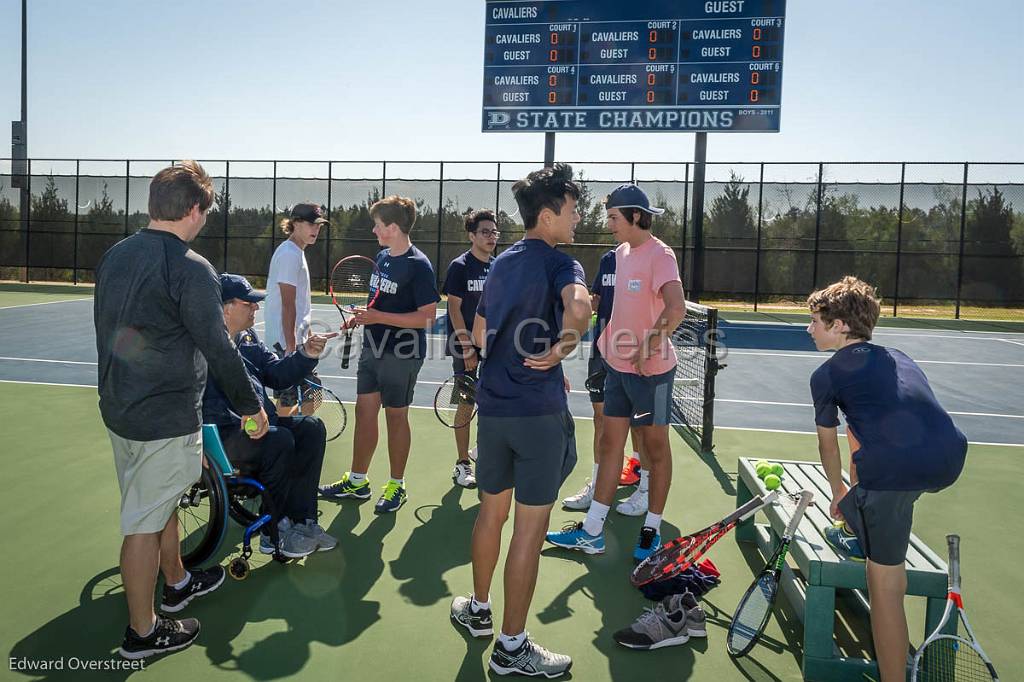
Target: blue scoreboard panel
x,y
633,66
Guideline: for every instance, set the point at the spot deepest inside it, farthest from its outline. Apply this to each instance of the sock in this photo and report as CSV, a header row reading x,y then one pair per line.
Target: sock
x,y
636,455
644,479
356,478
478,606
184,581
512,642
594,523
653,521
593,473
399,481
152,628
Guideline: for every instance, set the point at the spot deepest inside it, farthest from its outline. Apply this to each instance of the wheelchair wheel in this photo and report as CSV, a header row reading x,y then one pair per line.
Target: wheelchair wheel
x,y
244,504
203,517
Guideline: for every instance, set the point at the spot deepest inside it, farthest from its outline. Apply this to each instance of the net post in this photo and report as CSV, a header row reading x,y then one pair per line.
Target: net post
x,y
757,253
327,255
710,370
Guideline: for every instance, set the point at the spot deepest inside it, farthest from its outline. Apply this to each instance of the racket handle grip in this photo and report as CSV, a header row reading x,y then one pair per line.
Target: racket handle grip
x,y
346,350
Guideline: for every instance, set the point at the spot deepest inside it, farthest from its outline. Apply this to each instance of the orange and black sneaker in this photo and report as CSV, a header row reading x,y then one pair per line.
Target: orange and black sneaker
x,y
630,472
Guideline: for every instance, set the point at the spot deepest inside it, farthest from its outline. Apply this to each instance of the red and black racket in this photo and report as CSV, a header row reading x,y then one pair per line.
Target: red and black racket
x,y
354,282
676,556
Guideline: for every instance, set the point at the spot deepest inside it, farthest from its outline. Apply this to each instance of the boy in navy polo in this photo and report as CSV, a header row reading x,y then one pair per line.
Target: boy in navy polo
x,y
394,346
902,444
533,312
464,284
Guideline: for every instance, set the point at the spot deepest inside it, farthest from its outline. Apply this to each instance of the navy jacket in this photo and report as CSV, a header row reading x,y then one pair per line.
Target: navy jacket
x,y
264,368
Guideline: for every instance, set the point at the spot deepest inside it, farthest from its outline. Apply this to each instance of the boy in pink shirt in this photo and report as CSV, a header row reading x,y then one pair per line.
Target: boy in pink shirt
x,y
641,361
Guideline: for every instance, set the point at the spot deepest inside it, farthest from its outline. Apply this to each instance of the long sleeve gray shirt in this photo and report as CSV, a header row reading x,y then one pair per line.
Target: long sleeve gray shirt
x,y
159,323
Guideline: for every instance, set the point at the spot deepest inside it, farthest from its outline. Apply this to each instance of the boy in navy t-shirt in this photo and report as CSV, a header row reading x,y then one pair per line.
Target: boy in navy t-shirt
x,y
464,284
902,444
533,312
394,346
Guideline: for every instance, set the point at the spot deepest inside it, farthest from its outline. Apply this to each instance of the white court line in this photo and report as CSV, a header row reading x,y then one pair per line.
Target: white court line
x,y
809,406
877,331
814,433
825,356
1016,343
58,362
29,305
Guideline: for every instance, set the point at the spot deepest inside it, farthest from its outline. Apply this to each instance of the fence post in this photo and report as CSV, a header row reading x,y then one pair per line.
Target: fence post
x,y
497,192
440,220
273,213
26,215
686,212
757,253
963,231
632,172
74,250
384,179
899,241
224,209
327,256
817,229
127,183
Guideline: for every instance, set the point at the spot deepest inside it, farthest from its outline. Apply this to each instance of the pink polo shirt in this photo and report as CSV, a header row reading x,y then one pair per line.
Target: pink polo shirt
x,y
640,274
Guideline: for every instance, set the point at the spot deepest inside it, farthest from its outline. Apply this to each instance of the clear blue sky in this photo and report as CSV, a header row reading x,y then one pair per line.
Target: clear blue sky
x,y
864,80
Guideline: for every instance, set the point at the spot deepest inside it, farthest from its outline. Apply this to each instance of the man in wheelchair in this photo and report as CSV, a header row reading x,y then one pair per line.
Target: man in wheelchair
x,y
289,458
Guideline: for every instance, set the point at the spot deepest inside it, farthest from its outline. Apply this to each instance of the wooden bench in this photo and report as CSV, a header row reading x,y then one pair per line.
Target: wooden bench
x,y
822,571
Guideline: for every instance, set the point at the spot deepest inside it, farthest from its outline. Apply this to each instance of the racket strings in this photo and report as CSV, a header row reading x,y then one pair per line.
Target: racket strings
x,y
953,660
454,402
752,614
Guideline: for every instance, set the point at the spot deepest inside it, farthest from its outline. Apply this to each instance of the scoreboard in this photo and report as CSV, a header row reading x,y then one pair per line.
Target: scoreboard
x,y
633,65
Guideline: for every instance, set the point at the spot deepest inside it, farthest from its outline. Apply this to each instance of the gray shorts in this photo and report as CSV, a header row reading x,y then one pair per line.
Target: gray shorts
x,y
881,520
153,475
533,455
391,376
646,400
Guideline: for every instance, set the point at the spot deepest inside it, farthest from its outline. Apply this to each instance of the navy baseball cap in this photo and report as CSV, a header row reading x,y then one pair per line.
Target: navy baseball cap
x,y
309,212
631,196
236,286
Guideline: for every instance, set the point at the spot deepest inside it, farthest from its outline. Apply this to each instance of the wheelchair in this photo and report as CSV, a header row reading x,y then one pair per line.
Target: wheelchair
x,y
220,494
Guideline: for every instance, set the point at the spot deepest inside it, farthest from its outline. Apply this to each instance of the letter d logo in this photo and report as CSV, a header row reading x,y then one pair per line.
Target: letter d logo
x,y
498,119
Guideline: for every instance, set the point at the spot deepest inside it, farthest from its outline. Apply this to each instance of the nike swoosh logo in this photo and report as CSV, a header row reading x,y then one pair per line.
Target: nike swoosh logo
x,y
640,416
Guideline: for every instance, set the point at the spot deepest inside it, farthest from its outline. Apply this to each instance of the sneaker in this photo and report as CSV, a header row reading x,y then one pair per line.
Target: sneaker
x,y
391,499
647,545
581,500
843,541
479,623
529,659
199,583
292,543
664,625
344,487
463,476
696,621
572,536
314,531
168,635
630,472
634,505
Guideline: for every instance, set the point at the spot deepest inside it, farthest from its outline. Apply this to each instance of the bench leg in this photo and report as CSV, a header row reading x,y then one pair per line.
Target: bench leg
x,y
745,531
933,614
819,621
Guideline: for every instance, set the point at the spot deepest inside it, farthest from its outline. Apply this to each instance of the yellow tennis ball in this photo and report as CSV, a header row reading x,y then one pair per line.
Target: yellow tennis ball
x,y
777,469
251,426
771,481
762,470
761,462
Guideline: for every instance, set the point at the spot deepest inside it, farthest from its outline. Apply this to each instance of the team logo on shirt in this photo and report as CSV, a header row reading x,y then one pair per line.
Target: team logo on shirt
x,y
475,285
608,279
634,285
862,350
384,284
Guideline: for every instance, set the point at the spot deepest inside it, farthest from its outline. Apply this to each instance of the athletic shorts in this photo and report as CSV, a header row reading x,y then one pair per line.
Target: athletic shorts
x,y
391,376
881,519
153,475
533,455
596,388
645,400
288,397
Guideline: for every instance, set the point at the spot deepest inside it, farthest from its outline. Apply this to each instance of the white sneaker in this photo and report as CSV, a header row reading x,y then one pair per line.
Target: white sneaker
x,y
582,499
634,505
463,476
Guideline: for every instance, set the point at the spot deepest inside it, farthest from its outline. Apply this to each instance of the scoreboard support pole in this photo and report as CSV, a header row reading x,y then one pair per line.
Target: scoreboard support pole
x,y
700,156
549,150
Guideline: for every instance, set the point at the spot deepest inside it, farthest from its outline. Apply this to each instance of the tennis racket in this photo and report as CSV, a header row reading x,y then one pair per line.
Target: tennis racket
x,y
315,399
676,556
945,657
754,609
353,282
455,400
595,382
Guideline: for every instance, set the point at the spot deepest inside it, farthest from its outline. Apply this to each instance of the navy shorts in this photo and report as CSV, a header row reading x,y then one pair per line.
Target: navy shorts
x,y
533,455
881,520
645,400
391,376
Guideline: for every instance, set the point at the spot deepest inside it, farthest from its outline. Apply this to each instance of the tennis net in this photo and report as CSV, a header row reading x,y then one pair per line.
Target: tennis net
x,y
693,393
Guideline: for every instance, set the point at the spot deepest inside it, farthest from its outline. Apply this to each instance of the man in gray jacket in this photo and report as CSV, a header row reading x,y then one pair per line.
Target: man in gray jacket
x,y
159,324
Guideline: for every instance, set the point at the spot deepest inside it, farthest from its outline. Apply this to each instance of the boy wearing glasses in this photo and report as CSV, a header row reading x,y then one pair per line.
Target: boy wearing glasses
x,y
464,284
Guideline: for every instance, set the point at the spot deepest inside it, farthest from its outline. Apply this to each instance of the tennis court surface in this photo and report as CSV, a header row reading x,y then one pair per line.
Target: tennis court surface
x,y
377,608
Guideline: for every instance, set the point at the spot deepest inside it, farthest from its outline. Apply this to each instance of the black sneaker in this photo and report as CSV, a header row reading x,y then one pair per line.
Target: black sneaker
x,y
168,635
479,623
202,582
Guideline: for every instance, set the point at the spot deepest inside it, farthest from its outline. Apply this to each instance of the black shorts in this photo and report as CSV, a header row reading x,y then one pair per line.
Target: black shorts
x,y
533,455
881,520
391,376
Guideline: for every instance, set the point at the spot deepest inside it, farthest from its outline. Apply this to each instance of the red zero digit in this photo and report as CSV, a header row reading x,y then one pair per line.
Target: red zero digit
x,y
652,54
753,95
554,38
755,78
755,52
552,81
551,98
650,79
757,34
654,36
554,55
650,97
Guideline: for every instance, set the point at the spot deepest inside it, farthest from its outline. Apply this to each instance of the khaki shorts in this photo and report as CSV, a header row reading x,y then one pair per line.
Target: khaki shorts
x,y
153,475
